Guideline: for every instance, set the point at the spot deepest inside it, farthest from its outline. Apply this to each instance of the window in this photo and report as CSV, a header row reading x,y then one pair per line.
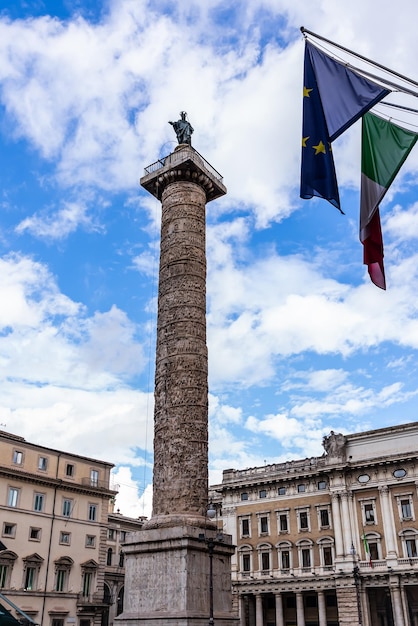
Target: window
x,y
109,556
399,473
245,527
121,559
4,576
326,554
111,534
94,478
43,463
369,513
409,540
283,523
246,562
9,530
306,557
87,583
57,621
69,470
262,493
373,541
244,496
90,541
322,485
284,553
38,502
123,535
405,507
65,538
17,457
34,534
61,580
324,518
264,524
265,561
13,497
301,488
281,491
303,519
30,578
92,512
305,554
67,507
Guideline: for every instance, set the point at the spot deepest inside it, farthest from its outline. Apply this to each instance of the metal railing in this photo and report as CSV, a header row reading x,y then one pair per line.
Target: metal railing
x,y
171,158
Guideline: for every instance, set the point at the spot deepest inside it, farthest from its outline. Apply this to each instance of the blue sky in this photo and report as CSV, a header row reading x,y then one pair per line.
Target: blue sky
x,y
300,342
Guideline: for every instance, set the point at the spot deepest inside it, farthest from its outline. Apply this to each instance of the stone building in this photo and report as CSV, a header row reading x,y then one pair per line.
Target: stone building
x,y
119,528
56,535
330,540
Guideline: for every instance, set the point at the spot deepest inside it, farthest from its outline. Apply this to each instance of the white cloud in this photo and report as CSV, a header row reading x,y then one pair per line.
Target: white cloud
x,y
58,224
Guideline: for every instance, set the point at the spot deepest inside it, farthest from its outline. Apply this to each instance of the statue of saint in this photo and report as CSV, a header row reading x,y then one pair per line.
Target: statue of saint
x,y
334,444
183,129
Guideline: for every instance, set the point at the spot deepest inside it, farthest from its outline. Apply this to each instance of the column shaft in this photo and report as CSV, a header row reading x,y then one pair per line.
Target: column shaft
x,y
336,518
322,611
300,613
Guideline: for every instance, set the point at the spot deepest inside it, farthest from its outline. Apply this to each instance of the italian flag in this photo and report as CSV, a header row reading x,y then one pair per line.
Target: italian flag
x,y
367,550
385,146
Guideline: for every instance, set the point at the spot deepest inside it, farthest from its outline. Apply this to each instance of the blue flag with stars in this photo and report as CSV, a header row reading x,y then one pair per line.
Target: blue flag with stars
x,y
318,176
334,97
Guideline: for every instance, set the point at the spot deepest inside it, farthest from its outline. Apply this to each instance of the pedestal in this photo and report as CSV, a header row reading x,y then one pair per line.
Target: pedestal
x,y
167,573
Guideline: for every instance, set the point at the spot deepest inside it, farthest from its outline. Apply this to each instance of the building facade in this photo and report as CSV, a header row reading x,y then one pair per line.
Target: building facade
x,y
330,540
54,532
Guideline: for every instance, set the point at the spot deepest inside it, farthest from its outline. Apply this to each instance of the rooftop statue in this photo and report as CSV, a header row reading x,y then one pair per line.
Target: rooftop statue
x,y
183,129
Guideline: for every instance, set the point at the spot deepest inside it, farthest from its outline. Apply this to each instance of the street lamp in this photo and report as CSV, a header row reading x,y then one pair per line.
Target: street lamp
x,y
357,583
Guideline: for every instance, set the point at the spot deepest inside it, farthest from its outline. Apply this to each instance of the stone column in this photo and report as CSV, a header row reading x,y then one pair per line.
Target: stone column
x,y
397,606
170,562
279,610
322,610
347,534
336,518
242,610
258,610
387,519
300,612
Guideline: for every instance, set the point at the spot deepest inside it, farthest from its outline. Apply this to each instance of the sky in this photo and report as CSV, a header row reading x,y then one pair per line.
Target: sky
x,y
300,341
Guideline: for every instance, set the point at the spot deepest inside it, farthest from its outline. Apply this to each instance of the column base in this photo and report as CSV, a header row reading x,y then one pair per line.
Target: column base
x,y
167,579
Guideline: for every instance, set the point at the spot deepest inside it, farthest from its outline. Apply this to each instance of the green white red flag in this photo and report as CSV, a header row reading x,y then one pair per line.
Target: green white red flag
x,y
385,147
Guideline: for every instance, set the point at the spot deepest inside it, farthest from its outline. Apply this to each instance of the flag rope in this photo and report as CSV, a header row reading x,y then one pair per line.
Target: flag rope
x,y
305,32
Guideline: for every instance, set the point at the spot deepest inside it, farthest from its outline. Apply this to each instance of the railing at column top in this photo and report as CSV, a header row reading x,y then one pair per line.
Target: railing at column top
x,y
167,159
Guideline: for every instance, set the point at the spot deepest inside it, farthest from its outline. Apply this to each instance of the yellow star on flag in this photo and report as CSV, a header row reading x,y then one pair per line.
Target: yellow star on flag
x,y
319,148
304,140
306,92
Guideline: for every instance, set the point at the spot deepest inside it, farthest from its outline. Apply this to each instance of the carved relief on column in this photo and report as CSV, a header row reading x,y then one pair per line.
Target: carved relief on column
x,y
181,386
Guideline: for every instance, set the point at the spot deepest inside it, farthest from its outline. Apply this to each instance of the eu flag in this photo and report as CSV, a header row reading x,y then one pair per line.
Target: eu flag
x,y
318,176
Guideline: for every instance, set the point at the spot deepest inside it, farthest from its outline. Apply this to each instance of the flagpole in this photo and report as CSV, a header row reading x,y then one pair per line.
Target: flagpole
x,y
304,30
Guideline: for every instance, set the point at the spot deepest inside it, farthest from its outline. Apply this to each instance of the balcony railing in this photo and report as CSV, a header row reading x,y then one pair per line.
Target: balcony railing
x,y
167,160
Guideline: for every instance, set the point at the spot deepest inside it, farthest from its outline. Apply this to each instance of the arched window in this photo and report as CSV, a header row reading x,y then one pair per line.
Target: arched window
x,y
32,566
284,556
326,552
409,538
305,554
375,546
265,564
245,559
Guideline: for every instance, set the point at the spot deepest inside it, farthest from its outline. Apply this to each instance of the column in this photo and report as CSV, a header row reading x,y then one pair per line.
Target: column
x,y
387,520
322,610
405,606
336,519
346,528
397,606
300,613
242,611
365,607
258,610
279,610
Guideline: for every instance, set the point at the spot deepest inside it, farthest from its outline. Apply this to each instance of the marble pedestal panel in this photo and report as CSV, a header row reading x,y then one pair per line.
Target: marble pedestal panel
x,y
167,578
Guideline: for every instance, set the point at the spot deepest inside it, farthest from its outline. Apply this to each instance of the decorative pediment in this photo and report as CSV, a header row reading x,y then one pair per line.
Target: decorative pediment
x,y
33,558
90,564
7,555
